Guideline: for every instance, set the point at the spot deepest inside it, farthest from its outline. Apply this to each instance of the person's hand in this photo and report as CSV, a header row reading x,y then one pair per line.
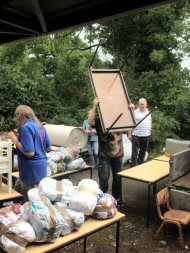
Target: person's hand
x,y
131,105
12,136
52,148
96,101
89,131
129,136
92,131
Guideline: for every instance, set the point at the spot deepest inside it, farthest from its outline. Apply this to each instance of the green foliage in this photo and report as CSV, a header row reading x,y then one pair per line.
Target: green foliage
x,y
51,74
164,127
151,43
158,56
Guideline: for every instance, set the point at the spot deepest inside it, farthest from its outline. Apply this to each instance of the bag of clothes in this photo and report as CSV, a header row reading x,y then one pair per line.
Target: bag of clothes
x,y
106,207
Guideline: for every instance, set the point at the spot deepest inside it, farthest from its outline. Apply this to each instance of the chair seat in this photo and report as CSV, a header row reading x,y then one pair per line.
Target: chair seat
x,y
177,217
182,217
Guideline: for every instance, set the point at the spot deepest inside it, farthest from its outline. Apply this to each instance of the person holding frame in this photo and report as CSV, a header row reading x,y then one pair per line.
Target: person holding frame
x,y
110,153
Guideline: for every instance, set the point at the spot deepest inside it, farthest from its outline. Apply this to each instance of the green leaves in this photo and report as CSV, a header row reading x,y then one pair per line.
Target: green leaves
x,y
51,74
159,37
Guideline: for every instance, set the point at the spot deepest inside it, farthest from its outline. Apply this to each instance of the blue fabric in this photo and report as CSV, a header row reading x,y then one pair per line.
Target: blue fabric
x,y
34,139
91,137
93,152
92,144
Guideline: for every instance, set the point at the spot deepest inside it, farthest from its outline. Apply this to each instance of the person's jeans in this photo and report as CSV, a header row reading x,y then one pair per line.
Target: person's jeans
x,y
139,148
104,174
93,152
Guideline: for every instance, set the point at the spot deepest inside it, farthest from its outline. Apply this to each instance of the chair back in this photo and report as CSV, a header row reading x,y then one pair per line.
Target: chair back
x,y
5,156
162,198
177,217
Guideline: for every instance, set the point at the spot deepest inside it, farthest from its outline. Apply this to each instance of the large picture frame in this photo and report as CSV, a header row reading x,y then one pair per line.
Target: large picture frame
x,y
109,87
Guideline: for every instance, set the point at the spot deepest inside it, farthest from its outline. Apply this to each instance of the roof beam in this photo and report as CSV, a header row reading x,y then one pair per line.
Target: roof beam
x,y
40,15
21,19
6,29
97,11
20,22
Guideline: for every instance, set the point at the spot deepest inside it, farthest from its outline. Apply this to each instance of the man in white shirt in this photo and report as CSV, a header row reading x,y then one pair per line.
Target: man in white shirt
x,y
140,135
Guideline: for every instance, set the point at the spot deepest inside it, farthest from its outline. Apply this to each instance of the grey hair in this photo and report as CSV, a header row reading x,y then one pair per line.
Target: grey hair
x,y
142,100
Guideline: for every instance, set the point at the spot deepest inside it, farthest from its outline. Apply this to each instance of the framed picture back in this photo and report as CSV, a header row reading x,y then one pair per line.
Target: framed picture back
x,y
109,87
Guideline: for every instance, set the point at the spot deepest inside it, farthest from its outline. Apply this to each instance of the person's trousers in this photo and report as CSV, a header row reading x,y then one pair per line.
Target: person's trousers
x,y
93,152
139,148
104,173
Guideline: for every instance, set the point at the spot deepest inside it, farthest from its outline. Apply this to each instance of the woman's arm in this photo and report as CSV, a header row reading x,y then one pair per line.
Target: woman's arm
x,y
18,144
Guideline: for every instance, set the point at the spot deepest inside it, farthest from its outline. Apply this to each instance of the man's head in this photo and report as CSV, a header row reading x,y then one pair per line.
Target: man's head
x,y
142,104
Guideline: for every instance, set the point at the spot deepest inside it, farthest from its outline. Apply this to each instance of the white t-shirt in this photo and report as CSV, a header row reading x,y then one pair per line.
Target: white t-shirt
x,y
144,128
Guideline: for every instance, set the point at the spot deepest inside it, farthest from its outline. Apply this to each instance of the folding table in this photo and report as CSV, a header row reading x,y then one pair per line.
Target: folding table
x,y
150,173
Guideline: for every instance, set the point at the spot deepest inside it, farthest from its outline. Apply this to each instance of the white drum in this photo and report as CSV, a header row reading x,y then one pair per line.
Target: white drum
x,y
66,136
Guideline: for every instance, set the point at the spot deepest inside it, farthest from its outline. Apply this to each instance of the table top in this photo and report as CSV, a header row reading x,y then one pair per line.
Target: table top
x,y
87,167
89,226
4,195
162,158
149,172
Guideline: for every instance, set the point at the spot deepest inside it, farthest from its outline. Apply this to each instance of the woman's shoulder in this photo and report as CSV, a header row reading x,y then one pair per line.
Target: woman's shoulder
x,y
29,124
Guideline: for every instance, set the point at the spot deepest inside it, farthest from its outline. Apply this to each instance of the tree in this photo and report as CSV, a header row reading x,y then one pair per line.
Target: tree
x,y
149,44
50,74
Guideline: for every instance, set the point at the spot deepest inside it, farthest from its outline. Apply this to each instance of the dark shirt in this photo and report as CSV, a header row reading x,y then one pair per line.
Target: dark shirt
x,y
110,144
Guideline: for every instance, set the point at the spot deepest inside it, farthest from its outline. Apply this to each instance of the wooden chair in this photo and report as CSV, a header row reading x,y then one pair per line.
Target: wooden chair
x,y
6,164
177,217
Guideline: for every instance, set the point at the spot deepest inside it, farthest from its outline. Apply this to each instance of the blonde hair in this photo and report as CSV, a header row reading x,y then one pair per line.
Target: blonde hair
x,y
24,113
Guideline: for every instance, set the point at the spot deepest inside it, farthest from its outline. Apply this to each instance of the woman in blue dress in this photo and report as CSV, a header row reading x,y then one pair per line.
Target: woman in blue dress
x,y
32,143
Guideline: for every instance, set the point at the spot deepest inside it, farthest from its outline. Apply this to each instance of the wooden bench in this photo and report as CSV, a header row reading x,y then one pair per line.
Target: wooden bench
x,y
60,175
89,227
5,196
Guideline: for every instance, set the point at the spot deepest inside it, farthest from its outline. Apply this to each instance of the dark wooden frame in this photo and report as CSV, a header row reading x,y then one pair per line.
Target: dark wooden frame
x,y
109,86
